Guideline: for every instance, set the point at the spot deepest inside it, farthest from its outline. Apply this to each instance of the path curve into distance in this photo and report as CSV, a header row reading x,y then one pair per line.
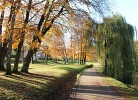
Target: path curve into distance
x,y
92,87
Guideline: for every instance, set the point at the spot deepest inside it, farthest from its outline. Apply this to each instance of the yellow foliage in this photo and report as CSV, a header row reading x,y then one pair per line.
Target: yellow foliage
x,y
15,45
47,24
54,30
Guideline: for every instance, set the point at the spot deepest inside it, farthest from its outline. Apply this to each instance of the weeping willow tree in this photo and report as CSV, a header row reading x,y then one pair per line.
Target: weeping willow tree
x,y
136,58
115,42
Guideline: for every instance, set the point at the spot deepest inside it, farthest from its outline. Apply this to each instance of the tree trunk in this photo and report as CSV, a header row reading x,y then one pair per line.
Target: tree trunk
x,y
1,46
1,67
8,66
81,58
78,59
46,58
9,49
35,57
23,55
72,60
15,69
2,63
44,30
106,60
84,59
32,58
27,61
2,57
65,60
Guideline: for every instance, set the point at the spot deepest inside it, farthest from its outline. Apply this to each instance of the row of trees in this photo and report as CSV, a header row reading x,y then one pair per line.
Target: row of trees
x,y
77,47
26,23
115,42
41,25
82,40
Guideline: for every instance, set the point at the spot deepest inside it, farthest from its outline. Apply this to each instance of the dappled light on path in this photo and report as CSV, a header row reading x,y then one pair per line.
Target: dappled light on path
x,y
92,87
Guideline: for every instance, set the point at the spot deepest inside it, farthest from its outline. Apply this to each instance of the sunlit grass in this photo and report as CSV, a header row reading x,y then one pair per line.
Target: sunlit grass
x,y
40,76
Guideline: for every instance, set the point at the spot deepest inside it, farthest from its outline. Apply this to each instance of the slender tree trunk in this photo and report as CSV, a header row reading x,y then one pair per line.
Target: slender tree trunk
x,y
72,60
64,57
65,62
15,68
23,55
46,58
27,62
2,58
105,61
2,64
9,49
81,58
3,55
78,59
35,57
84,58
1,46
32,58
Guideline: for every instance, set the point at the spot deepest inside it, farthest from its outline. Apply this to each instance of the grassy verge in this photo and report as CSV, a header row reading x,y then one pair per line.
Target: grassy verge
x,y
89,65
41,81
121,88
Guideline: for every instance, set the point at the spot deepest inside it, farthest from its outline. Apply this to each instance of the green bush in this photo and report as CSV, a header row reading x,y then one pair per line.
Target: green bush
x,y
89,66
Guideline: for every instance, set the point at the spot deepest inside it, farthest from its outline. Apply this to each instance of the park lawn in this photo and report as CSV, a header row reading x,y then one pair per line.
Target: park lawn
x,y
38,82
121,88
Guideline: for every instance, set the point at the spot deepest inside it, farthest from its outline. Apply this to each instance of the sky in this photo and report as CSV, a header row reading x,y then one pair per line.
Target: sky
x,y
128,9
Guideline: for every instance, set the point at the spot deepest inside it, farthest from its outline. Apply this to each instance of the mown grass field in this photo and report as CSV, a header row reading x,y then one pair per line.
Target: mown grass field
x,y
41,80
125,91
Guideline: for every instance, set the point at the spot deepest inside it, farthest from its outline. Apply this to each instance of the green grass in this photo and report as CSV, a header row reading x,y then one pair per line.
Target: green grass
x,y
38,81
136,81
121,88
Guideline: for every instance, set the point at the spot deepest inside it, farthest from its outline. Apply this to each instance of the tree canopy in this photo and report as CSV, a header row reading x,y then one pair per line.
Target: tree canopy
x,y
24,24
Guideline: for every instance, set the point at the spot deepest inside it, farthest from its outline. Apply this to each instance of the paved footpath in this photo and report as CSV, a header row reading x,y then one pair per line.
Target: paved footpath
x,y
92,87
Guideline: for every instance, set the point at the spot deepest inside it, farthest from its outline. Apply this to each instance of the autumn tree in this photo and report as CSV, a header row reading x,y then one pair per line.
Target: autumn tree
x,y
73,49
1,30
14,9
56,43
19,17
53,10
82,37
8,29
22,32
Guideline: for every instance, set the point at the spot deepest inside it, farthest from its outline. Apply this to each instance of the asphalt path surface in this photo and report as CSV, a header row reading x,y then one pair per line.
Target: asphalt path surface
x,y
91,86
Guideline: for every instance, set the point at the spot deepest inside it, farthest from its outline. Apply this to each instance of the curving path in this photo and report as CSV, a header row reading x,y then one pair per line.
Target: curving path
x,y
92,87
